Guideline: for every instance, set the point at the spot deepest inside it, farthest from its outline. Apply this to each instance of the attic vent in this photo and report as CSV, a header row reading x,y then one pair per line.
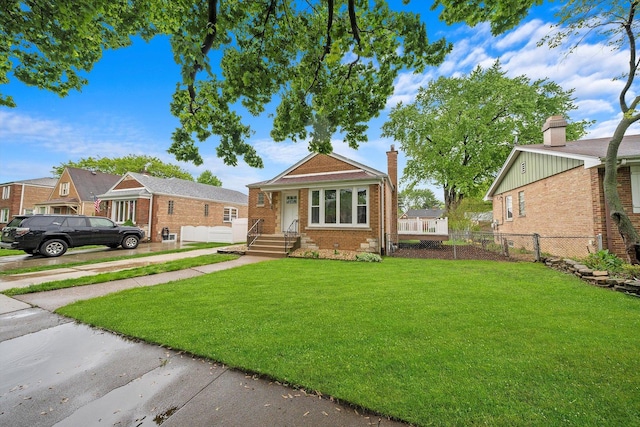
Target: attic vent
x,y
523,167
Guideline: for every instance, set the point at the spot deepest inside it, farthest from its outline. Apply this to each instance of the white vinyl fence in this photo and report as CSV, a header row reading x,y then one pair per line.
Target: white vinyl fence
x,y
237,233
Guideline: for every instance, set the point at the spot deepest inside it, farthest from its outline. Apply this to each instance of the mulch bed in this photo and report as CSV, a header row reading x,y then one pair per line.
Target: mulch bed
x,y
447,252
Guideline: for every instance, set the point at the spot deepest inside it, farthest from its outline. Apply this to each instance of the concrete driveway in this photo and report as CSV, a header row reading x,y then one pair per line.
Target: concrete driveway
x,y
58,372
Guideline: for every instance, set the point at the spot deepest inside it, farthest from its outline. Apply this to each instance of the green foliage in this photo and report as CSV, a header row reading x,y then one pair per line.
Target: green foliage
x,y
329,65
631,271
604,260
417,198
501,15
129,223
207,177
312,254
368,257
131,163
460,216
460,130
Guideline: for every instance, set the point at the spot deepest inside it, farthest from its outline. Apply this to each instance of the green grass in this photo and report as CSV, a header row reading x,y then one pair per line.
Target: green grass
x,y
446,343
191,247
180,264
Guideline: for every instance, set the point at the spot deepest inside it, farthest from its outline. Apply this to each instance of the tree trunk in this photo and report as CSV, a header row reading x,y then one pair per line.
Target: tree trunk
x,y
451,199
627,231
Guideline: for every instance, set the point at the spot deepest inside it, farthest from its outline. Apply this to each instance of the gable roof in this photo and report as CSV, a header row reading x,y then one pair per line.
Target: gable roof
x,y
359,173
89,184
592,152
176,187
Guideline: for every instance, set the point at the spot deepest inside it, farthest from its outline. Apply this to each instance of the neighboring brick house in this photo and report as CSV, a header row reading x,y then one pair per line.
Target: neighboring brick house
x,y
75,192
154,204
329,202
555,188
20,197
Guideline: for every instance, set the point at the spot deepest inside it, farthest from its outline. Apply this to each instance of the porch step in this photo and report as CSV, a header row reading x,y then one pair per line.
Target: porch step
x,y
271,246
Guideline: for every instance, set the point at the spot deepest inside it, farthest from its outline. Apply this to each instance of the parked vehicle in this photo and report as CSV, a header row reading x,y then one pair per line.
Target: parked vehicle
x,y
52,235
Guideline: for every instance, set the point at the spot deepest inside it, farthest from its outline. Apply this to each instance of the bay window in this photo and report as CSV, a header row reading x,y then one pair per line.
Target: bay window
x,y
347,206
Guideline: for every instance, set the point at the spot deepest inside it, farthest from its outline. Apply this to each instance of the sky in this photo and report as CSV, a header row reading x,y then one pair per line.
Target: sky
x,y
125,107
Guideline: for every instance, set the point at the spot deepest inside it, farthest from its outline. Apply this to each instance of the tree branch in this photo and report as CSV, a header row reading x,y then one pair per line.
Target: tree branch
x,y
633,66
212,21
354,21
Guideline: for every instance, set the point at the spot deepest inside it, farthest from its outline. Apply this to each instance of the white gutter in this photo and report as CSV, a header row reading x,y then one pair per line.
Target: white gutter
x,y
150,216
21,201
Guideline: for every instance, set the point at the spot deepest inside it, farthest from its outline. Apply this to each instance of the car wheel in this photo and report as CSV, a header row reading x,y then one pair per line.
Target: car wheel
x,y
130,242
53,248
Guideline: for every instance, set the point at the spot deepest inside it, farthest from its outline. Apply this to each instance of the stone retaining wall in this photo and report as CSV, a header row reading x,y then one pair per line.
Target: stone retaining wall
x,y
594,277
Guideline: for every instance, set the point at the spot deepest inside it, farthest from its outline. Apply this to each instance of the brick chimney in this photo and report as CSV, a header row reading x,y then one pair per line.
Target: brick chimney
x,y
554,131
392,165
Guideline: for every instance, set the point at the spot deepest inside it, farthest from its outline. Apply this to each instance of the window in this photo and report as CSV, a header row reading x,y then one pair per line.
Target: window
x,y
521,203
206,209
635,188
6,192
230,214
339,206
170,207
4,215
124,210
509,208
42,210
260,199
64,188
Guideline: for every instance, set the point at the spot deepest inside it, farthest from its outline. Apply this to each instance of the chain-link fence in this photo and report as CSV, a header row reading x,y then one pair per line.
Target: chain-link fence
x,y
494,246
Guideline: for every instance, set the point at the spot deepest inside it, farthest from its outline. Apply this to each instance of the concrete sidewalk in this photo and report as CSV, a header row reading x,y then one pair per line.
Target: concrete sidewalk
x,y
58,372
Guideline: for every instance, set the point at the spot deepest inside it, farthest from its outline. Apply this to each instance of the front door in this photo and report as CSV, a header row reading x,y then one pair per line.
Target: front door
x,y
289,210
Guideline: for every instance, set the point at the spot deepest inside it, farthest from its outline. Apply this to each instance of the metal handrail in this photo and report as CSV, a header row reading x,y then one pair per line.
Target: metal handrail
x,y
254,232
292,231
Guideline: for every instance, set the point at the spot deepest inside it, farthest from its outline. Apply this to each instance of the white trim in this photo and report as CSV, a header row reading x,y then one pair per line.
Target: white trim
x,y
354,207
635,188
322,173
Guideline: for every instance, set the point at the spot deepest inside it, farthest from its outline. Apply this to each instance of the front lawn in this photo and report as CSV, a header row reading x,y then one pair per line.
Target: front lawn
x,y
431,342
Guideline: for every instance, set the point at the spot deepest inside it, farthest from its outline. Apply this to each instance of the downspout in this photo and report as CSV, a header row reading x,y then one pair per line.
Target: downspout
x,y
21,200
382,196
150,217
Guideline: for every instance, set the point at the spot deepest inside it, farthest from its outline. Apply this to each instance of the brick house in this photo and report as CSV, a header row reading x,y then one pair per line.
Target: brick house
x,y
75,192
326,202
20,197
555,188
157,204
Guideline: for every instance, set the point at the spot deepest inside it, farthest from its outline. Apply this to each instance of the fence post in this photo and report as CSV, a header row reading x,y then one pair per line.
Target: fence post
x,y
536,246
599,238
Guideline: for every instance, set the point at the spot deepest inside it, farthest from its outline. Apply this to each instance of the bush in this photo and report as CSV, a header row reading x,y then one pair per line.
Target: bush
x,y
604,260
129,223
368,257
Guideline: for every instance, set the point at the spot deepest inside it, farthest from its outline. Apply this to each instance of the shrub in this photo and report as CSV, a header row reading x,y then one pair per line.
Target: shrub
x,y
368,257
604,260
129,223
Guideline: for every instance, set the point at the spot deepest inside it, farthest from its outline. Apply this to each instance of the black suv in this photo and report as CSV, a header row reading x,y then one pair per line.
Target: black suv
x,y
51,235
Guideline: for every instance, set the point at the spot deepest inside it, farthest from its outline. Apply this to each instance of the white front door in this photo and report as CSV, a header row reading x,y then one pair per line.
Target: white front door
x,y
289,210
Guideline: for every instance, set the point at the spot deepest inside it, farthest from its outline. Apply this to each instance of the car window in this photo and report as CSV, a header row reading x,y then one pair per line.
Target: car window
x,y
75,222
43,221
100,222
15,222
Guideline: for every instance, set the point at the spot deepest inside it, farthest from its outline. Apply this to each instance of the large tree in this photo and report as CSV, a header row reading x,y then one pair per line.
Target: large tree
x,y
578,21
329,65
132,163
460,130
